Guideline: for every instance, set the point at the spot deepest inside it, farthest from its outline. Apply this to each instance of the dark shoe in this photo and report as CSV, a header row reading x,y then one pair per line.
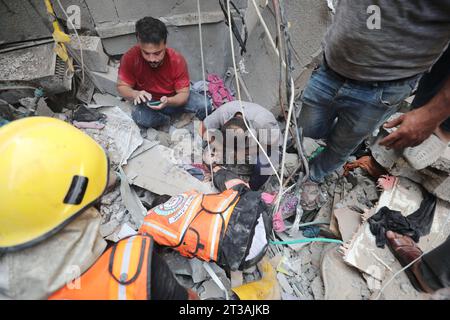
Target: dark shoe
x,y
406,251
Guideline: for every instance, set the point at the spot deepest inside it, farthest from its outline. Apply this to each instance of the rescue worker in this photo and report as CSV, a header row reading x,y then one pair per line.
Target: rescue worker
x,y
156,78
51,176
230,227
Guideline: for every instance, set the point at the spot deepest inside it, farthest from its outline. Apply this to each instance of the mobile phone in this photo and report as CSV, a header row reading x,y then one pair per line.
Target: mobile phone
x,y
153,103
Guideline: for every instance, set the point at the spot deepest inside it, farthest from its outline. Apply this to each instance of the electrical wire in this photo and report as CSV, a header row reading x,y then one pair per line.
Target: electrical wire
x,y
204,80
266,29
239,96
78,37
242,108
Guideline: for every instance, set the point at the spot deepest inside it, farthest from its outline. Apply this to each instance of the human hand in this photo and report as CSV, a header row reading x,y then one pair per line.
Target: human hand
x,y
415,127
141,97
164,101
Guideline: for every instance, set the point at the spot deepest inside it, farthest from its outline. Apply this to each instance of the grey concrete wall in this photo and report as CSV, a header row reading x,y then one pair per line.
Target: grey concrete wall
x,y
23,20
308,23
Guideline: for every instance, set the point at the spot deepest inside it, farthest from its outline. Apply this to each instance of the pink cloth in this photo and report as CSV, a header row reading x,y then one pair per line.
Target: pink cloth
x,y
278,223
88,125
268,198
386,182
219,93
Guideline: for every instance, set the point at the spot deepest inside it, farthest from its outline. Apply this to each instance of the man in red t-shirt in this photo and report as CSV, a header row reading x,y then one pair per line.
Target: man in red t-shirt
x,y
156,78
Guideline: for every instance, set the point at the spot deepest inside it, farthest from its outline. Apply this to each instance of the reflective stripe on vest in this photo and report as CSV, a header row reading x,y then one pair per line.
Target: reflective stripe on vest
x,y
123,272
192,223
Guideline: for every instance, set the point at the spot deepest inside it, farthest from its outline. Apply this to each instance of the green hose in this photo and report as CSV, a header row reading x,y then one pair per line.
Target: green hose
x,y
307,240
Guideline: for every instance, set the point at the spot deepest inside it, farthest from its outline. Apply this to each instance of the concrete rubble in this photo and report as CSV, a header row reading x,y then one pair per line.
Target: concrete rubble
x,y
152,163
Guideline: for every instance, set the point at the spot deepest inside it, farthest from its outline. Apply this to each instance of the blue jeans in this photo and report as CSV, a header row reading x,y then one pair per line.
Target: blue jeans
x,y
345,112
149,118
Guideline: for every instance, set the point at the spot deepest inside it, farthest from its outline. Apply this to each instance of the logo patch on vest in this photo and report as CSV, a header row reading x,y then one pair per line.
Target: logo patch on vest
x,y
170,206
182,211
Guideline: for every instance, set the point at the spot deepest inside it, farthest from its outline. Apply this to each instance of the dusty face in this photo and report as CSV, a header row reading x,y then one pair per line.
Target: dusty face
x,y
153,53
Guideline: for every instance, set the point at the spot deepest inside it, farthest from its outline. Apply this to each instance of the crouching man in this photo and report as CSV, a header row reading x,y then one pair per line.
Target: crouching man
x,y
51,175
156,78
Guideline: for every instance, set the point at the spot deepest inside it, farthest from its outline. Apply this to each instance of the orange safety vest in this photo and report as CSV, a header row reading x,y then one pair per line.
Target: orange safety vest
x,y
192,223
123,272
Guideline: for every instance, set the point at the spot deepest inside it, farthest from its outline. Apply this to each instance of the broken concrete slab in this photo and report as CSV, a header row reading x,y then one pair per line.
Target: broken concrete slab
x,y
145,146
122,232
316,249
386,158
122,129
443,163
236,279
162,137
317,288
348,222
31,68
108,100
399,289
341,282
106,82
211,291
156,171
43,110
284,284
178,264
28,64
426,153
94,57
109,228
199,273
437,183
183,120
131,200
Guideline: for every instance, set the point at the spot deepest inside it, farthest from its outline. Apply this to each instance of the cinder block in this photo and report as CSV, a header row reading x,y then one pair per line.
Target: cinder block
x,y
438,184
94,58
107,82
443,163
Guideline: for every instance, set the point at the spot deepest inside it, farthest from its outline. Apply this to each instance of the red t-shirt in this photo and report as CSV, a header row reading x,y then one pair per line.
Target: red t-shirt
x,y
170,76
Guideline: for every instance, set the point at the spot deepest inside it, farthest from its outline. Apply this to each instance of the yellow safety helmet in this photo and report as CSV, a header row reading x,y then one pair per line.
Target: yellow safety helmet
x,y
49,173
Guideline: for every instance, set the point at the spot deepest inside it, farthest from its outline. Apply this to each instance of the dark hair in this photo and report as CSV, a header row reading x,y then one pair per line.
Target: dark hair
x,y
151,30
233,123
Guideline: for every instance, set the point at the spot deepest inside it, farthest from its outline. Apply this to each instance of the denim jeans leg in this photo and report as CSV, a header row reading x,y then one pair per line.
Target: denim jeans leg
x,y
318,115
148,118
195,104
361,108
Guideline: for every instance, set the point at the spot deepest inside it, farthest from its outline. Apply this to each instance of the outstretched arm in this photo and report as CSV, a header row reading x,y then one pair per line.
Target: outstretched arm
x,y
419,124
